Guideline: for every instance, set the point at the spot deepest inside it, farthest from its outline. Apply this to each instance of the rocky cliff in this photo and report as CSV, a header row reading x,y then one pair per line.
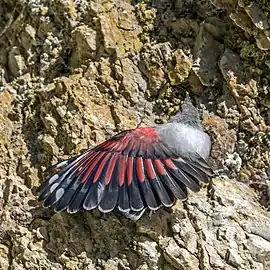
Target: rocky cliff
x,y
74,73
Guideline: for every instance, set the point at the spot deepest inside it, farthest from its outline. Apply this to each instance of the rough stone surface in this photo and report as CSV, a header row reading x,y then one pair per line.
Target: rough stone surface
x,y
74,73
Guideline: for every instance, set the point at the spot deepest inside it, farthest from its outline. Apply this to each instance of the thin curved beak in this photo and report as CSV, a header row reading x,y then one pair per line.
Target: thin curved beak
x,y
188,100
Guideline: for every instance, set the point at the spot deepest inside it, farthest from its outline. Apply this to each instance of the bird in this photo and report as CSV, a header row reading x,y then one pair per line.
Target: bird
x,y
140,169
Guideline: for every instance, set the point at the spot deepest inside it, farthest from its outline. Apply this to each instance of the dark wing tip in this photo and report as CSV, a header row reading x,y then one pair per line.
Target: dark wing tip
x,y
134,215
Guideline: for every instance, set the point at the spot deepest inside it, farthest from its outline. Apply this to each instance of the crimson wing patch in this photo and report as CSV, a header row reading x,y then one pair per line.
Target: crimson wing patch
x,y
131,171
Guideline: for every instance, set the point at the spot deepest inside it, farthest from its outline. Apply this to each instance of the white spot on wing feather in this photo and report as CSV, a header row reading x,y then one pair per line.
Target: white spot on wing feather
x,y
53,178
59,193
53,187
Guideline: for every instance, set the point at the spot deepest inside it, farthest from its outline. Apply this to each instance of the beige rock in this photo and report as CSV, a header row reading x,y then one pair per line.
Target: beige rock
x,y
153,62
84,45
4,257
48,144
181,68
120,30
179,257
224,138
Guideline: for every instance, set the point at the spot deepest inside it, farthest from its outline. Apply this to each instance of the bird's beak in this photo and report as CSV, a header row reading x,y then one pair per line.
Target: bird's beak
x,y
188,100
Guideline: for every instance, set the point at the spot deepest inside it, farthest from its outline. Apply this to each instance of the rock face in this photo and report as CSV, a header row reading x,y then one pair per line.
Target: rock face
x,y
74,73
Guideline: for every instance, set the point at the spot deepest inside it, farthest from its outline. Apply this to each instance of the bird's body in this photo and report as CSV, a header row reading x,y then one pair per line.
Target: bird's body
x,y
146,167
185,140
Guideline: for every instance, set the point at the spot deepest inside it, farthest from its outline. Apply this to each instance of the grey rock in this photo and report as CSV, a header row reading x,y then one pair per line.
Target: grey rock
x,y
132,80
16,62
206,52
257,16
28,37
263,40
233,258
233,162
224,4
231,66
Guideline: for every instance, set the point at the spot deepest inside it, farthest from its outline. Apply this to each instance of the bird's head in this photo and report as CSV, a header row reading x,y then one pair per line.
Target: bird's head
x,y
187,115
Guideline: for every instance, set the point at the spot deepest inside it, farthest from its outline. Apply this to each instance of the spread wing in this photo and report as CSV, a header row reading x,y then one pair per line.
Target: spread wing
x,y
131,171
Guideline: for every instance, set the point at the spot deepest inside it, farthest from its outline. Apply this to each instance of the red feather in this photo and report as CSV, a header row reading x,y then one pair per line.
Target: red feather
x,y
101,166
169,164
139,169
111,168
159,167
89,170
149,168
78,163
86,164
129,170
122,170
